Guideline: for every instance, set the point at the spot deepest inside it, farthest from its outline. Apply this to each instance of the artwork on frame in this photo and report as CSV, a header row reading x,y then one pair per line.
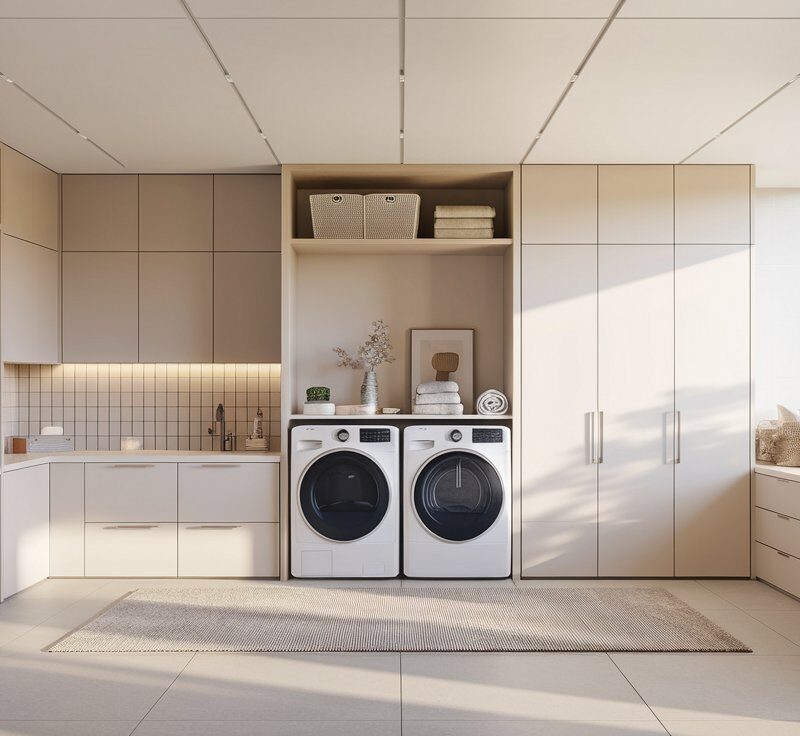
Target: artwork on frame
x,y
427,343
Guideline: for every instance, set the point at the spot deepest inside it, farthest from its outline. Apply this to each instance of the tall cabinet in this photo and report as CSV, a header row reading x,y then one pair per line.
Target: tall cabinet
x,y
635,372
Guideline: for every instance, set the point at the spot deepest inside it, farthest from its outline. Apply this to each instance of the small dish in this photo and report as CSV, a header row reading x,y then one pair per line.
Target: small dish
x,y
390,410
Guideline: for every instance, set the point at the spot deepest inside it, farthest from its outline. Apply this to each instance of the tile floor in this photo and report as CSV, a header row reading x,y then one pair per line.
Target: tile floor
x,y
391,694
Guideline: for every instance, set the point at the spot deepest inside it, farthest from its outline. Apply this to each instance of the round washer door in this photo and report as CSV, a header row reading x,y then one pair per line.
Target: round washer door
x,y
458,495
344,495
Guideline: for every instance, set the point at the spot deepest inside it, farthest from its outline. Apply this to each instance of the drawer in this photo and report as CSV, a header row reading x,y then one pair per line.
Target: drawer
x,y
131,492
228,550
234,492
777,530
777,568
777,494
131,550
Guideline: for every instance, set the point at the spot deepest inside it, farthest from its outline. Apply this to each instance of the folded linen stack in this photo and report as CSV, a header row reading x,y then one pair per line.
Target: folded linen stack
x,y
463,221
437,397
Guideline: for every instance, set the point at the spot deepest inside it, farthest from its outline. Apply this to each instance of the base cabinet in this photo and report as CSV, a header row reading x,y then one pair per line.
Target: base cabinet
x,y
776,531
228,550
131,550
66,520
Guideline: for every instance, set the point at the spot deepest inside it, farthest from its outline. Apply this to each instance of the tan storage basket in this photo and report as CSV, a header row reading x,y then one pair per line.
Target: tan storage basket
x,y
391,216
337,216
788,445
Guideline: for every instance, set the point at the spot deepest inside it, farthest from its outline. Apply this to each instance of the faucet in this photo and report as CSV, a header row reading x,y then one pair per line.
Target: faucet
x,y
225,440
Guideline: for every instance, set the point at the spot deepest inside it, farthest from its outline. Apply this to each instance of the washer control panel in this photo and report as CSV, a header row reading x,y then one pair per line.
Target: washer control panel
x,y
456,435
375,435
343,435
487,434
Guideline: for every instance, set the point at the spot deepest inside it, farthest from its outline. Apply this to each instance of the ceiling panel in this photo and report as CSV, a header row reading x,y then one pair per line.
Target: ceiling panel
x,y
654,91
295,9
710,9
91,9
324,91
148,91
767,137
24,125
509,8
478,90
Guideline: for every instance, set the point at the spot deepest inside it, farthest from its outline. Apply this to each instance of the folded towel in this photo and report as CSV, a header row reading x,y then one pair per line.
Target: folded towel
x,y
468,223
474,232
438,409
491,402
436,387
463,210
441,398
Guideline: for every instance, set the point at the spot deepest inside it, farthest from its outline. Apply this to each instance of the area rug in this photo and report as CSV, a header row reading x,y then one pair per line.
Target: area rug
x,y
296,618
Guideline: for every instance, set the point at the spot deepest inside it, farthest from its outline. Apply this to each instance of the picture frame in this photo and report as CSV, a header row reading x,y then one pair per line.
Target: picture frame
x,y
426,342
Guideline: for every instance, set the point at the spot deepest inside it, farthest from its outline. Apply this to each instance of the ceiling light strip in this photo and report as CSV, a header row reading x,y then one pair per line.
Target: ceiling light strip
x,y
228,78
574,78
401,14
58,117
740,118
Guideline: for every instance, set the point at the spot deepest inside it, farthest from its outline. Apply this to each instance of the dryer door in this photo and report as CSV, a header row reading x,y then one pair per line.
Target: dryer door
x,y
344,495
458,496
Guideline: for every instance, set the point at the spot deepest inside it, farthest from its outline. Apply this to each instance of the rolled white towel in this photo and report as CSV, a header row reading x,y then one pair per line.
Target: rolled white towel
x,y
491,402
438,409
438,387
451,398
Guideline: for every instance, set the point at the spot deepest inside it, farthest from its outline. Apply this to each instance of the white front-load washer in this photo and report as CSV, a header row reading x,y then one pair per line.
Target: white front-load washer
x,y
457,502
345,501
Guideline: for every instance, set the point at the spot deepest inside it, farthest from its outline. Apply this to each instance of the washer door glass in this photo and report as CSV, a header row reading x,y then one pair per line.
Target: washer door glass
x,y
344,495
458,496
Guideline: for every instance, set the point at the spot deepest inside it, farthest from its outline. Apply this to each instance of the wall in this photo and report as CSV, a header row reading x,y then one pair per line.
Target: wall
x,y
169,406
776,317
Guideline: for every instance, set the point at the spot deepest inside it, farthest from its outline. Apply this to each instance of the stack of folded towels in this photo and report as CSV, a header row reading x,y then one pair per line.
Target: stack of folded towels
x,y
437,397
463,221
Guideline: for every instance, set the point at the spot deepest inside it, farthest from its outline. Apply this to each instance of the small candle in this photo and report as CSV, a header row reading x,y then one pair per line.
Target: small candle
x,y
131,443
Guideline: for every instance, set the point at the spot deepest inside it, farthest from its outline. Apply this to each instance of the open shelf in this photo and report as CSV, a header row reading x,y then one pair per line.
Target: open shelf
x,y
391,417
416,246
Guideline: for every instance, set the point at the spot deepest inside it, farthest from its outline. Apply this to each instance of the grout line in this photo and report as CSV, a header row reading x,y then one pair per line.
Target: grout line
x,y
608,654
174,680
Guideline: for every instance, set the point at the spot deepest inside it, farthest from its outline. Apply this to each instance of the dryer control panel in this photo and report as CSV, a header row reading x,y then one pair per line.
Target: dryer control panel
x,y
487,434
375,435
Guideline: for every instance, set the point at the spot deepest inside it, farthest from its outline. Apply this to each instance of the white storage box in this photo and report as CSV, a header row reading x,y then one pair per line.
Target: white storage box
x,y
337,215
391,215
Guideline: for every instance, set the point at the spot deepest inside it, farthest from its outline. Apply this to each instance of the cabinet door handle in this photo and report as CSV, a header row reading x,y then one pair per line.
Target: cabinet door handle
x,y
133,465
592,459
677,437
600,442
216,526
132,526
220,465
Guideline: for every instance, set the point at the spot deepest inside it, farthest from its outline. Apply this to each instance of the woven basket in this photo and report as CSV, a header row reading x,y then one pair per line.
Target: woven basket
x,y
391,215
767,433
788,445
337,216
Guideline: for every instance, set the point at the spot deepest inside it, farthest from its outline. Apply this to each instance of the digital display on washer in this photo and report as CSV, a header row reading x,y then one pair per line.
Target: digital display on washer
x,y
487,434
375,435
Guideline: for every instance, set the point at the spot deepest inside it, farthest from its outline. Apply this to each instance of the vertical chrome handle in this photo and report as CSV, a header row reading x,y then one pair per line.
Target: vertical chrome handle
x,y
677,437
600,437
592,458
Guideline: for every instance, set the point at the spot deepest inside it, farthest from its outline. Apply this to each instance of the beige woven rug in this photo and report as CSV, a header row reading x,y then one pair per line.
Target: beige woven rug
x,y
294,618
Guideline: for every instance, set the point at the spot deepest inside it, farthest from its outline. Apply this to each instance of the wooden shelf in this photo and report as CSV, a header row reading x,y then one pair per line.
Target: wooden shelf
x,y
390,417
416,246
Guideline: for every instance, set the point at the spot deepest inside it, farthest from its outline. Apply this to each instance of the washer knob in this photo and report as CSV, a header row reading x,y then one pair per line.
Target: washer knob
x,y
456,435
343,435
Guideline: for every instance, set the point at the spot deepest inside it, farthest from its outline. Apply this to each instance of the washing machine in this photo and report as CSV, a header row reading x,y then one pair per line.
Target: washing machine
x,y
345,501
456,502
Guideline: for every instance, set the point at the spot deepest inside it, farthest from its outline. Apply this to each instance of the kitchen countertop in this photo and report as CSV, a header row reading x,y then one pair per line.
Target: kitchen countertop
x,y
778,471
28,460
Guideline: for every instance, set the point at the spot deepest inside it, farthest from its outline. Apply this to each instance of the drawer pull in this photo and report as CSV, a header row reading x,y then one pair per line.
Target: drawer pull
x,y
133,465
783,554
783,516
216,526
132,526
220,465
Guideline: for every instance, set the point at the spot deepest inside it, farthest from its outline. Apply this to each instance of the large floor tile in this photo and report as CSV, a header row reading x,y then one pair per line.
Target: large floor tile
x,y
532,728
732,728
285,687
786,623
752,594
268,728
517,686
757,635
84,687
67,728
715,687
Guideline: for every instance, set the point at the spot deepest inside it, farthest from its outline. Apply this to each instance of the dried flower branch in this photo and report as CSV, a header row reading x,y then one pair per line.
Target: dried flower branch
x,y
374,352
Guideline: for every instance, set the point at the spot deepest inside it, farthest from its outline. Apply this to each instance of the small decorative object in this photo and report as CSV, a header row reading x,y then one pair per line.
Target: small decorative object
x,y
353,409
767,433
318,393
491,402
319,408
390,410
19,445
130,444
376,351
442,363
256,441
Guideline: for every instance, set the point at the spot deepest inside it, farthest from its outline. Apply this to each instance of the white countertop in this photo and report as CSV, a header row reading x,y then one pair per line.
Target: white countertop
x,y
16,462
778,471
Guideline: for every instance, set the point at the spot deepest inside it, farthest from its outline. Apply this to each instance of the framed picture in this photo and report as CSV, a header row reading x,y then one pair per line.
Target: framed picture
x,y
426,343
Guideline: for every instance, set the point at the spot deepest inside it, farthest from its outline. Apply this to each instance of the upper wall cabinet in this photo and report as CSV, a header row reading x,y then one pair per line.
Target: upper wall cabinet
x,y
44,227
635,205
247,212
559,204
712,205
100,307
176,212
100,212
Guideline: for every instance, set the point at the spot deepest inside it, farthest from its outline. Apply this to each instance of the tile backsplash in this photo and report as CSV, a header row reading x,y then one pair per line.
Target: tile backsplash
x,y
168,406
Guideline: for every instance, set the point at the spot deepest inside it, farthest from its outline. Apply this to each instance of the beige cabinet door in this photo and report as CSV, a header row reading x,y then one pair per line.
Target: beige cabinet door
x,y
247,212
30,304
559,204
100,212
635,204
176,318
66,519
100,307
17,193
176,212
44,201
247,308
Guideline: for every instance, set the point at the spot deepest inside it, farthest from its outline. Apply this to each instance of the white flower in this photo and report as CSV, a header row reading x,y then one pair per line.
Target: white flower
x,y
374,352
